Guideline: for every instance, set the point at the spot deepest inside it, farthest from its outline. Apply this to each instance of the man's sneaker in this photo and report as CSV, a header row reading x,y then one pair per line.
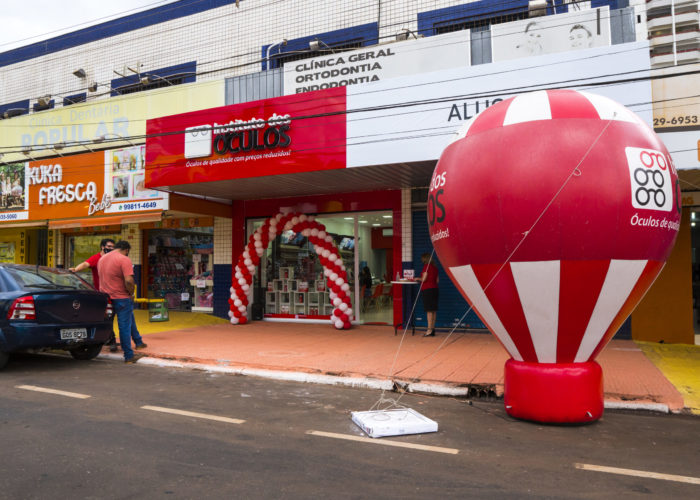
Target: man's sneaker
x,y
134,358
113,348
140,346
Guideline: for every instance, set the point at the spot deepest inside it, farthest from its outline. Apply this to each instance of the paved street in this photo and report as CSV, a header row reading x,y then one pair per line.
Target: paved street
x,y
129,432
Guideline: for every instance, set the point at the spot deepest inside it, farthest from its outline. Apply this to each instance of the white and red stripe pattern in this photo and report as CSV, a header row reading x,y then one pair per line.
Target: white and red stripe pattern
x,y
548,105
328,255
535,324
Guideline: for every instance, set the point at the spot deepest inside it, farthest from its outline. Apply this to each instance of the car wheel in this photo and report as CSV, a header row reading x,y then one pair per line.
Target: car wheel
x,y
86,352
4,358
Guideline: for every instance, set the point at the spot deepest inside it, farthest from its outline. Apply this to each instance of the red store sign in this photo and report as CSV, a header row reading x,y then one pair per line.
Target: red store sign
x,y
290,134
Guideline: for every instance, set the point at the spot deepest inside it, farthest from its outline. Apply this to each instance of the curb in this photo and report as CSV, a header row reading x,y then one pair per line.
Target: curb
x,y
358,382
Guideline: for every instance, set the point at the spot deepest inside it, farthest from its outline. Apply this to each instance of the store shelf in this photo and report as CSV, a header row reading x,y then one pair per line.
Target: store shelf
x,y
203,309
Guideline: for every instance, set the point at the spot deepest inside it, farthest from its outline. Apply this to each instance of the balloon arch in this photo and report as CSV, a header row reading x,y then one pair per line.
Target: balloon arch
x,y
333,268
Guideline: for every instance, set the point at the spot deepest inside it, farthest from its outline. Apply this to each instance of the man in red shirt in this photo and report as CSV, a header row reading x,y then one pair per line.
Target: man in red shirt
x,y
117,279
106,246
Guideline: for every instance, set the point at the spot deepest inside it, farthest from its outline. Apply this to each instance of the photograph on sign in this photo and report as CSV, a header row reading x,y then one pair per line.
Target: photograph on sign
x,y
547,35
125,181
13,185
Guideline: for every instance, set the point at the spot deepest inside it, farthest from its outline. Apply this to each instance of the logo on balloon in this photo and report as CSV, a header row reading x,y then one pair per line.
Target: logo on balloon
x,y
650,178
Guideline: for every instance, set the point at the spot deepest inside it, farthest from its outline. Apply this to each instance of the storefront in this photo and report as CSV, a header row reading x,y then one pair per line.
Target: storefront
x,y
291,275
179,262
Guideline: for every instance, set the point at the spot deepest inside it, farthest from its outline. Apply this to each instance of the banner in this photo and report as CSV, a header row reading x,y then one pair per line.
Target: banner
x,y
289,134
378,62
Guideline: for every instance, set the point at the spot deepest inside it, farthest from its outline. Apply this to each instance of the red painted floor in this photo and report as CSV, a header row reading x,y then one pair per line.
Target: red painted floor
x,y
373,351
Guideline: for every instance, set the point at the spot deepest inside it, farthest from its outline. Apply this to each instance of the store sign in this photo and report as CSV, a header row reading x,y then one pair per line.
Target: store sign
x,y
69,186
441,102
112,118
14,204
676,106
379,62
546,35
288,134
52,191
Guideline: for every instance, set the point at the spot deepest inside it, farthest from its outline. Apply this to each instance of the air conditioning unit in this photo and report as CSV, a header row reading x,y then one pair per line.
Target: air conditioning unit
x,y
537,8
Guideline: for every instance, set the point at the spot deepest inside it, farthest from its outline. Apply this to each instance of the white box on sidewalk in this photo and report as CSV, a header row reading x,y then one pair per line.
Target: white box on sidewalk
x,y
398,422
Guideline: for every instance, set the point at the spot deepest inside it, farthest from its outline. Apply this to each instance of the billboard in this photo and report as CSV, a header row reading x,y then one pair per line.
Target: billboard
x,y
378,62
550,34
289,134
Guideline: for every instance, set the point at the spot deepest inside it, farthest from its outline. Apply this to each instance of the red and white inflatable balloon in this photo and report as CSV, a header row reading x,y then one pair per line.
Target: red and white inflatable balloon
x,y
553,213
333,267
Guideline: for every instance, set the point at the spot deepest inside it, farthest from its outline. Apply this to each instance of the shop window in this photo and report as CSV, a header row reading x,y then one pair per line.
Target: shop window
x,y
320,44
81,247
14,109
42,105
153,79
181,267
475,15
74,99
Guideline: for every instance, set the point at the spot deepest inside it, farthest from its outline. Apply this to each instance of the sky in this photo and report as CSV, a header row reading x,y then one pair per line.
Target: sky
x,y
28,21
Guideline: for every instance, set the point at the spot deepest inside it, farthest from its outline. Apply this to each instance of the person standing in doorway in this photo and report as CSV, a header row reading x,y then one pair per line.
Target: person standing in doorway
x,y
117,279
106,246
429,290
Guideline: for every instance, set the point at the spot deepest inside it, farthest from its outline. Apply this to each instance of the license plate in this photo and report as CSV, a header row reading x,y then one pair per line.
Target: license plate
x,y
73,333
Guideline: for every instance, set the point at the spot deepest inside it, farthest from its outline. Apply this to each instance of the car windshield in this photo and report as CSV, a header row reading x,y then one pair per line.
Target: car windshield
x,y
47,278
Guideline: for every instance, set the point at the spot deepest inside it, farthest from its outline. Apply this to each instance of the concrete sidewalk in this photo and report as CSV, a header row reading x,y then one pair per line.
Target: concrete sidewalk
x,y
371,356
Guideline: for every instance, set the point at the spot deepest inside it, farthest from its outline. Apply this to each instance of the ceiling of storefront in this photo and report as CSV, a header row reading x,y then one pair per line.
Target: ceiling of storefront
x,y
319,182
690,180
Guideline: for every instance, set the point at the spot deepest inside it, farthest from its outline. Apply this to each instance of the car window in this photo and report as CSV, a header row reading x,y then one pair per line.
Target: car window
x,y
44,278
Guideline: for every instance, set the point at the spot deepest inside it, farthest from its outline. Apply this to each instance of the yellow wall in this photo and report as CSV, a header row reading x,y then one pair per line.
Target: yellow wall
x,y
666,312
16,237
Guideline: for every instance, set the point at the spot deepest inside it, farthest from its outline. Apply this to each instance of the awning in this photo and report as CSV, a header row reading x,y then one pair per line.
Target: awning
x,y
106,221
23,223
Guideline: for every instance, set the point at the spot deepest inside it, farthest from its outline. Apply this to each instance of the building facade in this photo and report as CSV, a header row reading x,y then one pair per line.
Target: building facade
x,y
200,120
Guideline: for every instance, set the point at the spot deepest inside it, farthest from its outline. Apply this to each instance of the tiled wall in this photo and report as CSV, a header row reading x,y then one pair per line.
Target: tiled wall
x,y
132,234
222,241
224,41
222,265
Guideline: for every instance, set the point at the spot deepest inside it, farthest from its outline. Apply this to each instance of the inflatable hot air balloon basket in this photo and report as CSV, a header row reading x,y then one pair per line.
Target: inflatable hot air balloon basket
x,y
333,267
553,213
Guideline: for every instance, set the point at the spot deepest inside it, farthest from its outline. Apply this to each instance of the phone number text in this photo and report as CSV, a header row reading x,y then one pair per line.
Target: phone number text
x,y
138,205
676,120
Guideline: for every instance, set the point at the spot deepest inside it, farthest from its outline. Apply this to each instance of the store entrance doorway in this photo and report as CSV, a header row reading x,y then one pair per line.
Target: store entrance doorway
x,y
290,268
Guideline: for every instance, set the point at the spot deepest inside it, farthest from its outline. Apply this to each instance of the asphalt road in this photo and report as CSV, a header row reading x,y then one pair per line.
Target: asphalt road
x,y
108,446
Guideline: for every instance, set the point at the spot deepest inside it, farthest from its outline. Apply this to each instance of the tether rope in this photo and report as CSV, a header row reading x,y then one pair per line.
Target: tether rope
x,y
575,172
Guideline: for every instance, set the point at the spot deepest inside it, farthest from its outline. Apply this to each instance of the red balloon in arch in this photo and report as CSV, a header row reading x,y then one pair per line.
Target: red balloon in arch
x,y
553,212
333,267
